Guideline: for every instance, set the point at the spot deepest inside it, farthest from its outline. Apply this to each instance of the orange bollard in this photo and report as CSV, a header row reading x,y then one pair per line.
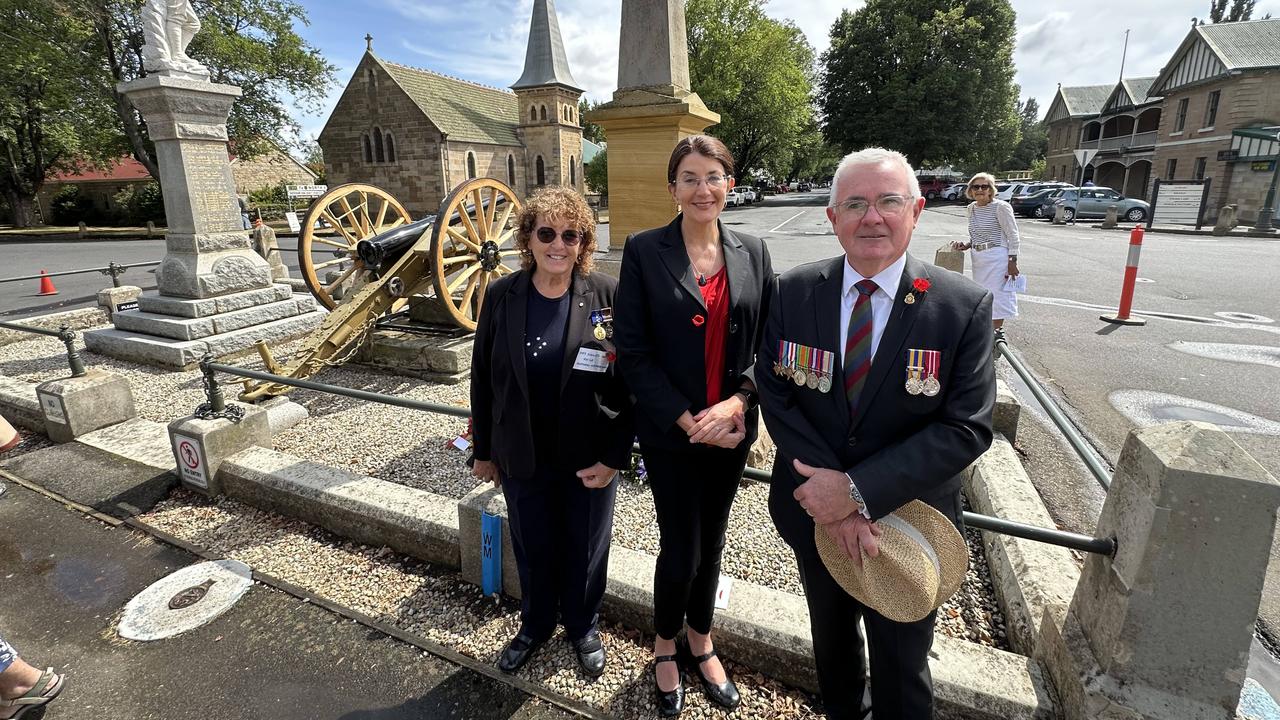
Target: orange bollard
x,y
46,285
1130,279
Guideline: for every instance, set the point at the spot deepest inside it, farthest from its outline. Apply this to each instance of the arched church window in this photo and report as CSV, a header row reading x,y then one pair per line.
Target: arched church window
x,y
368,148
543,113
573,173
511,170
471,165
379,154
542,172
391,148
533,114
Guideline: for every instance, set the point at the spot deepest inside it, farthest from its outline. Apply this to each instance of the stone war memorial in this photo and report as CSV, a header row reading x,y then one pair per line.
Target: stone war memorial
x,y
357,496
214,294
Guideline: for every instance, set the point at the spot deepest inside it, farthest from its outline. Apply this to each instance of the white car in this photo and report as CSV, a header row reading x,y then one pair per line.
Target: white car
x,y
954,192
735,197
1014,188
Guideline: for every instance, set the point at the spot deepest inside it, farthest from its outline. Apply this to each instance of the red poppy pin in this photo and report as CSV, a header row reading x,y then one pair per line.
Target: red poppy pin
x,y
611,356
698,320
918,285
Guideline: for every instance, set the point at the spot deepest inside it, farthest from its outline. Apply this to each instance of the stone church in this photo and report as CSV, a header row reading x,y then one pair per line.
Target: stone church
x,y
418,134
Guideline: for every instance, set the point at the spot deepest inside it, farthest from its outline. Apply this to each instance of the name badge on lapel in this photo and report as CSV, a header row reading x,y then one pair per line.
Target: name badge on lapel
x,y
592,360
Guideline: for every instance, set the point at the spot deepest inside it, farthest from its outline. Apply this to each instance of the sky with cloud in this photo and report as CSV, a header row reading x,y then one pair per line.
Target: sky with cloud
x,y
1077,43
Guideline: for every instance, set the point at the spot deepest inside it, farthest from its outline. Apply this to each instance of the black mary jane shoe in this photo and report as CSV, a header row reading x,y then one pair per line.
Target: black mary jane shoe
x,y
670,703
517,653
590,651
724,694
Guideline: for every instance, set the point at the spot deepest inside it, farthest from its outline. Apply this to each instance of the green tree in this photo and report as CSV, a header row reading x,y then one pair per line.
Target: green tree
x,y
932,79
590,130
756,72
1035,138
248,43
52,112
1238,11
596,173
812,156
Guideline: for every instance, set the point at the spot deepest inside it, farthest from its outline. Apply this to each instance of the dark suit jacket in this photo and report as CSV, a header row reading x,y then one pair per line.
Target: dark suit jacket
x,y
900,447
595,411
661,352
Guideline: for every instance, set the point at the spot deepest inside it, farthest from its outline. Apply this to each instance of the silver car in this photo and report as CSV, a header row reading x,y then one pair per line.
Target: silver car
x,y
1092,202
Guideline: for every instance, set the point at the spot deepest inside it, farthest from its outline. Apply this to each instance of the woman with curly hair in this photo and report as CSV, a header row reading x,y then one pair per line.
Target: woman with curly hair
x,y
552,423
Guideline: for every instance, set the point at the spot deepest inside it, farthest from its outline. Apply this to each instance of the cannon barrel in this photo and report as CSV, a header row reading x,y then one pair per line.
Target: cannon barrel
x,y
385,248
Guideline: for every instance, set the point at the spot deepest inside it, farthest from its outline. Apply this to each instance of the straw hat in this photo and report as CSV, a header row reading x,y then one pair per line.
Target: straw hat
x,y
922,561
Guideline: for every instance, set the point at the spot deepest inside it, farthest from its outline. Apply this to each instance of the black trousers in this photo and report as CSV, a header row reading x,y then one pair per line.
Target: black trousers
x,y
692,492
901,685
560,533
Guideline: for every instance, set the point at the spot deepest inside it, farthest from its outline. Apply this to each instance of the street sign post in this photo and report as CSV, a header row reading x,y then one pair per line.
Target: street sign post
x,y
1083,157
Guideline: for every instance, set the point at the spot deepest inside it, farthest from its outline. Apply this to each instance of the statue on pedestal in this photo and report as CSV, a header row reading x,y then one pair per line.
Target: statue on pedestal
x,y
168,26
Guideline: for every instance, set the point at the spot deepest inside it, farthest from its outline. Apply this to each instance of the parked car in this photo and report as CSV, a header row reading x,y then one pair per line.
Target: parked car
x,y
735,197
753,195
932,188
1092,202
805,187
954,192
1038,204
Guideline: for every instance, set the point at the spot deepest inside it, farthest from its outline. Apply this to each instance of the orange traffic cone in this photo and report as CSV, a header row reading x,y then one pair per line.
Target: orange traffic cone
x,y
46,285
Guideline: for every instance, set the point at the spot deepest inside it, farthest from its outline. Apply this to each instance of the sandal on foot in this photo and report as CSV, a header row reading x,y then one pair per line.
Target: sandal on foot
x,y
42,693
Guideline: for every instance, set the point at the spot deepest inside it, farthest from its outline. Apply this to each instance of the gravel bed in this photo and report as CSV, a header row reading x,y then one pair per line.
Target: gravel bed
x,y
437,605
411,447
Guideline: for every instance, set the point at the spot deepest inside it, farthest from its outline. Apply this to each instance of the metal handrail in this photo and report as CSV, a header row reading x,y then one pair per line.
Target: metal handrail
x,y
1077,441
114,269
65,334
216,402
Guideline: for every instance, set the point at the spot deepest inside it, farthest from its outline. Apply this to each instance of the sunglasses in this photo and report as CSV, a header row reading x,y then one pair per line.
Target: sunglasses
x,y
548,236
979,187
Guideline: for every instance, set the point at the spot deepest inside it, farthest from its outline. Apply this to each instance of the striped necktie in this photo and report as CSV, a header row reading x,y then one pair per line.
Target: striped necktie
x,y
857,344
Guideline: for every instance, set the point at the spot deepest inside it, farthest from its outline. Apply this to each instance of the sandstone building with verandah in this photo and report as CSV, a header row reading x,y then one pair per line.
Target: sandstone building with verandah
x,y
418,134
1202,117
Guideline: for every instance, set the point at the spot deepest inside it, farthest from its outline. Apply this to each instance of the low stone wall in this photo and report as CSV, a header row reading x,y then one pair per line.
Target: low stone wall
x,y
75,319
18,404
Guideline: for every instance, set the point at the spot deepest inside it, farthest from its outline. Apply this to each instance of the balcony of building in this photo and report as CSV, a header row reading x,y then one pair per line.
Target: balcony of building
x,y
1121,133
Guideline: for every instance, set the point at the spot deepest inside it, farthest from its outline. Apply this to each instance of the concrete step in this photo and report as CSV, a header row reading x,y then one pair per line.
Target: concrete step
x,y
186,354
154,302
181,328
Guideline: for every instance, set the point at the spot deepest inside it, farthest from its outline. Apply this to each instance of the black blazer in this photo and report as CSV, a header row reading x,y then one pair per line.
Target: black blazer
x,y
595,411
661,352
900,447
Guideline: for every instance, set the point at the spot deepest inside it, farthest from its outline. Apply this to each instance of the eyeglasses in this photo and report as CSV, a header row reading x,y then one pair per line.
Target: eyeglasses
x,y
548,236
888,205
979,187
713,180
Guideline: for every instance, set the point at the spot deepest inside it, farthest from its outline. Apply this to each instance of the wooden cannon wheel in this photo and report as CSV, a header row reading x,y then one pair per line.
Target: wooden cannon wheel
x,y
354,212
472,243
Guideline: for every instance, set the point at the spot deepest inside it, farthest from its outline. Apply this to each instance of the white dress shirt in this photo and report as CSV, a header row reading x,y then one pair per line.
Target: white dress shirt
x,y
881,300
887,282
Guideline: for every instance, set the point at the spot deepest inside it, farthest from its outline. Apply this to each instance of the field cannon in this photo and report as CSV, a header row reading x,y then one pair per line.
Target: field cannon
x,y
363,257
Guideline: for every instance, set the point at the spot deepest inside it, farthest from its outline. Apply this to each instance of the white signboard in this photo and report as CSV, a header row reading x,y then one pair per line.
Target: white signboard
x,y
52,407
305,191
292,217
1177,204
191,464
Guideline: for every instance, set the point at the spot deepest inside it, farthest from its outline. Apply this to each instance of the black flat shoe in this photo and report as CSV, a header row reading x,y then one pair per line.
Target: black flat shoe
x,y
517,653
670,703
724,694
590,651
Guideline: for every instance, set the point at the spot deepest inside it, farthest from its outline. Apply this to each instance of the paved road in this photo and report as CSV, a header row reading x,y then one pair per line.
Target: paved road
x,y
270,656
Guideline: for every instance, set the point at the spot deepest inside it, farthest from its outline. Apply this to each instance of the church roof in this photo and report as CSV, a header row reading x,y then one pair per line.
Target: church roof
x,y
544,59
463,110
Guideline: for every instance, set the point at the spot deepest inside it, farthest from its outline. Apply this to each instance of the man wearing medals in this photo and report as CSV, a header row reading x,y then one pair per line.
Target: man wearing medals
x,y
881,393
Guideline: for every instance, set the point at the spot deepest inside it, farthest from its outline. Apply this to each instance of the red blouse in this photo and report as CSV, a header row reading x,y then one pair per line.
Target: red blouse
x,y
715,294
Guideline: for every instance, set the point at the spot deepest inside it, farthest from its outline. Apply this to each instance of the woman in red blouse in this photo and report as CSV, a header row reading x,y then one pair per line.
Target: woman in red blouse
x,y
691,305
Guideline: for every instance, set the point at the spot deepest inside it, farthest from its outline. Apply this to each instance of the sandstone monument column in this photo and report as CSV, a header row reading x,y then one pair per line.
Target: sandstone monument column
x,y
215,293
651,110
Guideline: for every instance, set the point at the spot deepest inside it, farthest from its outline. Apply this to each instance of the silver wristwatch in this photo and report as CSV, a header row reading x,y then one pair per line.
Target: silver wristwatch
x,y
853,492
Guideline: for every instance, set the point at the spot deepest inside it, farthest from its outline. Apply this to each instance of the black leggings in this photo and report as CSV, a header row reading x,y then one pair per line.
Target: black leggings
x,y
693,491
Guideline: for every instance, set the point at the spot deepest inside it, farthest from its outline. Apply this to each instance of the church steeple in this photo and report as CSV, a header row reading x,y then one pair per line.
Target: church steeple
x,y
544,60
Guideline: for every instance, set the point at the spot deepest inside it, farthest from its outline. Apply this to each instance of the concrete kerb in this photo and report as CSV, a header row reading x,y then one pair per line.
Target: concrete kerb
x,y
1029,576
1004,418
74,406
18,403
765,629
201,446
